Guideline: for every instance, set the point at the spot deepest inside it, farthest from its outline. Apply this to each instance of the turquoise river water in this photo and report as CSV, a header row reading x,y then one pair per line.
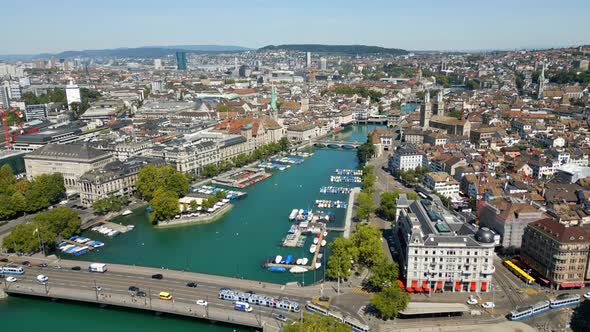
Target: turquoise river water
x,y
234,245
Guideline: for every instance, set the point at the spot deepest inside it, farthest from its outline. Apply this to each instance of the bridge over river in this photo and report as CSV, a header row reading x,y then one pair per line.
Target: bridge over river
x,y
112,289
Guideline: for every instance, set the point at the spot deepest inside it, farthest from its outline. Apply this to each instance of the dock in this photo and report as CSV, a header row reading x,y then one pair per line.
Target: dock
x,y
348,218
79,244
310,267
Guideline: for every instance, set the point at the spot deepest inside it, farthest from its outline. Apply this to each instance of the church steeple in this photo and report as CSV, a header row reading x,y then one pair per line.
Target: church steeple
x,y
541,92
273,104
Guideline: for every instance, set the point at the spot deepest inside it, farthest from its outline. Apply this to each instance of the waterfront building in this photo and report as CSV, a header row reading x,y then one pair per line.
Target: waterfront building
x,y
437,252
181,60
188,156
557,252
405,159
71,160
301,132
382,139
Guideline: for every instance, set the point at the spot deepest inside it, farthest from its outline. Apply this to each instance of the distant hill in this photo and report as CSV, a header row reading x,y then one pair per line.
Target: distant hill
x,y
136,52
341,49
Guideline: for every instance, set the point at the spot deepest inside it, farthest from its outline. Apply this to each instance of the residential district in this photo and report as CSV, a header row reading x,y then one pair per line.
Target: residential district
x,y
473,182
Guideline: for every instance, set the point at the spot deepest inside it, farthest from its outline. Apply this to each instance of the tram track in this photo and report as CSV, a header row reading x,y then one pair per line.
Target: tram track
x,y
511,291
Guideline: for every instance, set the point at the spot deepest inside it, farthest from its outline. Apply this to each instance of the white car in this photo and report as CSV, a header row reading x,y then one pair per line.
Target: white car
x,y
488,305
202,302
42,279
587,295
98,288
472,301
11,279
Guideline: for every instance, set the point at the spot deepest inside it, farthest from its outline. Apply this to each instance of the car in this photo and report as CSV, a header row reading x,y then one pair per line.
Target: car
x,y
133,289
251,292
26,263
157,276
43,265
57,267
4,260
98,288
141,294
11,279
324,298
488,305
587,295
202,302
280,317
472,301
191,284
76,268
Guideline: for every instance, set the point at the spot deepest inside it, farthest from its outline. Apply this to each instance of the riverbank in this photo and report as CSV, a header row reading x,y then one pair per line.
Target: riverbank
x,y
200,220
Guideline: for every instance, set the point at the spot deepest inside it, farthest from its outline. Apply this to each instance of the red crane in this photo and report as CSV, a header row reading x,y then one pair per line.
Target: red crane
x,y
7,137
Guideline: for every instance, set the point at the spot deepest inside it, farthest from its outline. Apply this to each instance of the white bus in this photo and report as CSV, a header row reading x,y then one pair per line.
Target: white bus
x,y
12,269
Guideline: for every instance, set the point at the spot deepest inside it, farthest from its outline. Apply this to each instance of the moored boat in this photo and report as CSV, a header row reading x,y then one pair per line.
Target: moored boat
x,y
277,269
315,240
318,265
323,243
312,249
278,259
304,261
298,261
127,212
297,269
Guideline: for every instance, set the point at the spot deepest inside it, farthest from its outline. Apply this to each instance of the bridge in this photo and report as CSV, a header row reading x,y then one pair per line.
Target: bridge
x,y
111,289
337,144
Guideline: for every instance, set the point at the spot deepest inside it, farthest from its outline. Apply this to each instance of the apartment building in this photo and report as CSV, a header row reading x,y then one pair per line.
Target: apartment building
x,y
442,183
405,159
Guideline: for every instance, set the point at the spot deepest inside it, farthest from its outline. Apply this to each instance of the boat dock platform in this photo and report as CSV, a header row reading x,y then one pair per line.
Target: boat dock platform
x,y
310,267
295,240
78,244
116,227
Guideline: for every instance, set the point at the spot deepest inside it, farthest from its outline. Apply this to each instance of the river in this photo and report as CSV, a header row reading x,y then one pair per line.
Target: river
x,y
234,245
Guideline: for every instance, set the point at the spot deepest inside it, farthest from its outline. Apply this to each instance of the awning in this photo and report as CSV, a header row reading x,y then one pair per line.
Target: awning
x,y
424,284
400,284
414,283
484,286
570,284
439,285
427,289
410,289
473,286
457,285
419,290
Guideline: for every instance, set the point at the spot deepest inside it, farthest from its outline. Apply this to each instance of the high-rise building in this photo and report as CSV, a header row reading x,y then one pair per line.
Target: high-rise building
x,y
73,93
4,96
323,63
308,59
157,86
181,60
157,64
541,92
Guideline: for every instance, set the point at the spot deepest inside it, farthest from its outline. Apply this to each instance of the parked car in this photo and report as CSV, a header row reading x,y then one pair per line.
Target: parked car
x,y
587,295
202,302
76,268
324,298
280,317
26,263
157,276
472,301
57,267
192,284
11,279
43,265
488,305
133,289
141,294
98,288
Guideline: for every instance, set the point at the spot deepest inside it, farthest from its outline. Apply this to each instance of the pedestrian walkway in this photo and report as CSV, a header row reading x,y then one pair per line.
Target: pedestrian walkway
x,y
359,290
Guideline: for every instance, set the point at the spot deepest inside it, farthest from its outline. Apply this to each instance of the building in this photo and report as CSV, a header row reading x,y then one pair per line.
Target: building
x,y
73,93
158,64
509,220
382,139
323,64
301,132
425,111
582,65
308,59
557,252
188,156
541,90
36,112
405,159
116,178
71,160
181,60
4,97
157,86
436,254
442,183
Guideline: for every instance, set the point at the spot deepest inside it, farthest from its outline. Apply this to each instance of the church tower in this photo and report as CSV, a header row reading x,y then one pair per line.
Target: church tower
x,y
425,111
541,92
273,105
440,104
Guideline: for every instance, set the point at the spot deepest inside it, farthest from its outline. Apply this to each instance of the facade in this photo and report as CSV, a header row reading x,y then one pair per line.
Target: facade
x,y
181,60
509,220
71,160
73,93
36,112
557,252
442,183
435,255
301,132
188,156
405,159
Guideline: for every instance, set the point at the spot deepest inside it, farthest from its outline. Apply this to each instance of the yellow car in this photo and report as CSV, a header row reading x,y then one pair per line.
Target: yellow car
x,y
165,296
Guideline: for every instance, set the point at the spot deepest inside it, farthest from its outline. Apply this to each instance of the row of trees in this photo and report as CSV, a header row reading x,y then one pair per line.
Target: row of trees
x,y
364,92
243,159
365,204
389,203
365,151
162,186
45,230
109,204
19,196
413,176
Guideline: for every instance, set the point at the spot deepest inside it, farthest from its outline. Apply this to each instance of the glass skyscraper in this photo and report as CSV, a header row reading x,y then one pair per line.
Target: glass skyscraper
x,y
181,60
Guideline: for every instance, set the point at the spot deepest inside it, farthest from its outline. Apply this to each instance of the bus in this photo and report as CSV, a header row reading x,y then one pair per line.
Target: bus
x,y
519,272
12,269
563,300
321,310
165,296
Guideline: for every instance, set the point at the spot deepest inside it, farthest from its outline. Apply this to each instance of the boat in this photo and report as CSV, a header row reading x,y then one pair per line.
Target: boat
x,y
304,261
277,269
278,259
323,243
318,265
325,233
127,212
313,248
315,240
130,227
298,261
289,259
293,214
297,269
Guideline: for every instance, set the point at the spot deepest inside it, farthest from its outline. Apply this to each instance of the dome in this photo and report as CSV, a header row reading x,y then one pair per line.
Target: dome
x,y
484,235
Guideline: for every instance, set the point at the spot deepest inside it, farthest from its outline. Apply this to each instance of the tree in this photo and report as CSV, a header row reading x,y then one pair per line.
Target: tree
x,y
388,205
383,274
152,178
22,238
284,144
108,204
210,170
55,224
7,179
165,204
44,190
365,205
390,301
365,152
368,178
342,255
367,239
317,323
193,205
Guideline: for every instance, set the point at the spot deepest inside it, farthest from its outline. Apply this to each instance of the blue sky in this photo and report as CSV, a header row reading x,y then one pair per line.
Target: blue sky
x,y
52,26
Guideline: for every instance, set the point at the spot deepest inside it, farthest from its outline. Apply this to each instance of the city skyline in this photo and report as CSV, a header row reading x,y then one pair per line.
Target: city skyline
x,y
430,25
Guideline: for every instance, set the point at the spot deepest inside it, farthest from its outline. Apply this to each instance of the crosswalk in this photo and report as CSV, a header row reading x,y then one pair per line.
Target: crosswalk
x,y
359,290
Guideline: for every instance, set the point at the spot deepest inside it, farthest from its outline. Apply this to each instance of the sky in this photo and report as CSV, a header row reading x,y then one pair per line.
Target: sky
x,y
39,26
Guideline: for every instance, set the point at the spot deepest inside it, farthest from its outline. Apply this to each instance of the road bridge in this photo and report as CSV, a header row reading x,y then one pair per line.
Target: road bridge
x,y
337,144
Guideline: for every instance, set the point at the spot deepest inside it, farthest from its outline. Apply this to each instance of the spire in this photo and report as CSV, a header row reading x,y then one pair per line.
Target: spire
x,y
541,92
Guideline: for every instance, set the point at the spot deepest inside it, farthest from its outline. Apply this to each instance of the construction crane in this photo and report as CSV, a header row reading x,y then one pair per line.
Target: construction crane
x,y
7,137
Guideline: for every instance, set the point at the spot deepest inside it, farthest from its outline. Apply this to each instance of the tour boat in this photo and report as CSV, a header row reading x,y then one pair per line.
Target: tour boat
x,y
315,240
127,212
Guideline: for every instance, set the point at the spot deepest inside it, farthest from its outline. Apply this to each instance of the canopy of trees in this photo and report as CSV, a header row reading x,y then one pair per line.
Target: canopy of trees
x,y
344,49
390,301
343,254
165,204
110,203
383,275
364,92
388,205
152,178
565,77
313,323
365,151
55,96
363,248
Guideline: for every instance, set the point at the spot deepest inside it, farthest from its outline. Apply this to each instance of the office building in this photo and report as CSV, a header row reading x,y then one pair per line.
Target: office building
x,y
73,93
36,112
157,86
158,64
442,183
308,59
181,60
323,63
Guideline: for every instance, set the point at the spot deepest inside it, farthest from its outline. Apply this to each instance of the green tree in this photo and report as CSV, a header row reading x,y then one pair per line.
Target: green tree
x,y
342,255
387,207
55,224
365,205
317,323
367,239
284,144
165,204
389,302
7,179
368,178
152,178
383,274
210,170
365,152
22,238
193,205
44,190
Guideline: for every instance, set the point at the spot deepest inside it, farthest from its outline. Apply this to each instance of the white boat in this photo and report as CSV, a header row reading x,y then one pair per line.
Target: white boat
x,y
312,249
278,259
293,214
297,269
323,243
130,227
318,265
315,240
113,233
127,212
325,233
304,261
298,261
